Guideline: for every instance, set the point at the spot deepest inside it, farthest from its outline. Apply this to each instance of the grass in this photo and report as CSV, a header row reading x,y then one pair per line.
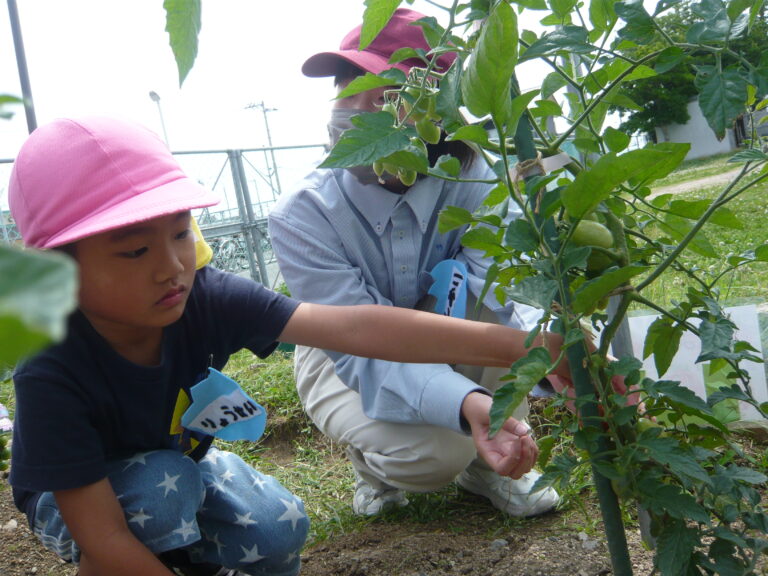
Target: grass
x,y
698,168
747,284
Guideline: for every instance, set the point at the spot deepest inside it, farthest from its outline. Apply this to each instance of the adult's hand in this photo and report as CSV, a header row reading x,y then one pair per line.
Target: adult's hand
x,y
512,451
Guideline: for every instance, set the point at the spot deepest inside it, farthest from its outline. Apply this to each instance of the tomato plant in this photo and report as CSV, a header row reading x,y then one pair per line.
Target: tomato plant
x,y
591,231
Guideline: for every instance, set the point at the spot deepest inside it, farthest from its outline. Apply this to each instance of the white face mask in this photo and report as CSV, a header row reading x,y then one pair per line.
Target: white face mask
x,y
341,121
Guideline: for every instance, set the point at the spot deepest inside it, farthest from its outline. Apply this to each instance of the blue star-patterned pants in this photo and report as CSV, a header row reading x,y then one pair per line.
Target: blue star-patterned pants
x,y
220,510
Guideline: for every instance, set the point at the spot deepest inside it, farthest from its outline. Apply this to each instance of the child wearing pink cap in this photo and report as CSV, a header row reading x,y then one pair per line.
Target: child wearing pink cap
x,y
103,462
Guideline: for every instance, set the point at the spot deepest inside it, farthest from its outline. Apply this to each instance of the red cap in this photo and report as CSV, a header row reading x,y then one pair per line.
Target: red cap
x,y
400,32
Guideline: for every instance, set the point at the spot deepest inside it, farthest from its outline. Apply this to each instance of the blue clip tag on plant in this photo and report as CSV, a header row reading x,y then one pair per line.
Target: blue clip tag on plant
x,y
220,408
449,286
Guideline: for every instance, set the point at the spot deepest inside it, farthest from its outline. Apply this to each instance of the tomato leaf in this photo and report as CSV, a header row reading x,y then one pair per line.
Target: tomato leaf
x,y
486,82
521,236
537,291
594,290
484,239
377,14
722,94
373,137
448,101
182,22
566,40
616,140
371,81
452,217
524,375
591,187
37,294
663,341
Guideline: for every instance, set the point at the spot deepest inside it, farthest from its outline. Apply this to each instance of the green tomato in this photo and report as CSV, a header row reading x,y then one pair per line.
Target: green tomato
x,y
378,168
407,177
597,262
432,109
413,113
391,168
428,130
590,233
390,108
646,424
419,143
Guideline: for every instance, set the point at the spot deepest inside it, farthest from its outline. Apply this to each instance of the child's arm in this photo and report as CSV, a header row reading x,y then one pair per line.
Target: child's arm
x,y
97,523
404,335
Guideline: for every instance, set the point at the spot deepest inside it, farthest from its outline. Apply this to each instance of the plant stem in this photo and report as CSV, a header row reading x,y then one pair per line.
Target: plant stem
x,y
578,360
691,234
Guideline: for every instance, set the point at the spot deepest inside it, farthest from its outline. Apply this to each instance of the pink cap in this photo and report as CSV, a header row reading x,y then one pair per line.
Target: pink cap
x,y
77,177
400,32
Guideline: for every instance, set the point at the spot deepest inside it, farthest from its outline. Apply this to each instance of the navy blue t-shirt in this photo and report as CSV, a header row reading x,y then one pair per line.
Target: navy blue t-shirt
x,y
79,404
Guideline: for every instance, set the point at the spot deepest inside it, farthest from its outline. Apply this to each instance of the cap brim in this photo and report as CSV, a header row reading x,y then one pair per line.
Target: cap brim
x,y
326,63
177,196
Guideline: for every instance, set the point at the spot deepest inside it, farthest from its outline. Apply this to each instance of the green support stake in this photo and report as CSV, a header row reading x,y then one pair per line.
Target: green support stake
x,y
588,412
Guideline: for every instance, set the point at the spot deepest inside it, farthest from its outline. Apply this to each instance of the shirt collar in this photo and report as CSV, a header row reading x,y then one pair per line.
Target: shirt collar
x,y
377,204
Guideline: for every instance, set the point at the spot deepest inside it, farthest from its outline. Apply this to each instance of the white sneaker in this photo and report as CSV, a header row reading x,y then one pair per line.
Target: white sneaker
x,y
369,501
511,496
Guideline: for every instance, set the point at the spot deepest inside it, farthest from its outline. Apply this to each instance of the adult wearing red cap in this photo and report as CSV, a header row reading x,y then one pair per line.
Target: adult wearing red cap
x,y
347,237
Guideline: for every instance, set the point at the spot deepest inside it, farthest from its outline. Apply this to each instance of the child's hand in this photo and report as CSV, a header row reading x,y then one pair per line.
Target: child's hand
x,y
565,387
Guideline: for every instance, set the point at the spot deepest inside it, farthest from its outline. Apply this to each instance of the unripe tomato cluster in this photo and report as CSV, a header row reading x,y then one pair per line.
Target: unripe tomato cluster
x,y
421,109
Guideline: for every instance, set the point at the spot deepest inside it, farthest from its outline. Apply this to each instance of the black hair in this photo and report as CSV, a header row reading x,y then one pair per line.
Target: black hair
x,y
68,249
346,71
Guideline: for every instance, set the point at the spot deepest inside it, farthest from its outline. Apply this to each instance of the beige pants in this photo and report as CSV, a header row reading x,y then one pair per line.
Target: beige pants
x,y
412,457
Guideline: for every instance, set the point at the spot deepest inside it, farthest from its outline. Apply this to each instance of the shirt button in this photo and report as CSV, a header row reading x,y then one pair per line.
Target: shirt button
x,y
403,268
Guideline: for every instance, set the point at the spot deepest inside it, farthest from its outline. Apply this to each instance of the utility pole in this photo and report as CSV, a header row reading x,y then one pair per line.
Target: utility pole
x,y
155,97
21,64
273,169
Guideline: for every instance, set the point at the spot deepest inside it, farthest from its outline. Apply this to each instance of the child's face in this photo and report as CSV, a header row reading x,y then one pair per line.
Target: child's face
x,y
137,277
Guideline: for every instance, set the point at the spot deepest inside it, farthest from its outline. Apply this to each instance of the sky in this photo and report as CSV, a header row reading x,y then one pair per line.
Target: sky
x,y
105,56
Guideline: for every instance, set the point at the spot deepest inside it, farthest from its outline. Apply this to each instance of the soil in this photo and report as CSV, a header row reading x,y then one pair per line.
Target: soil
x,y
472,539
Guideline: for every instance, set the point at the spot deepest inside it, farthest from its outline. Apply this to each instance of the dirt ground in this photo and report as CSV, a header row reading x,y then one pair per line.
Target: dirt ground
x,y
471,541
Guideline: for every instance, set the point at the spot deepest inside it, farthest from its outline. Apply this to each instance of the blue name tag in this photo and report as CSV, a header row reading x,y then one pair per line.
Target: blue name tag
x,y
220,408
449,287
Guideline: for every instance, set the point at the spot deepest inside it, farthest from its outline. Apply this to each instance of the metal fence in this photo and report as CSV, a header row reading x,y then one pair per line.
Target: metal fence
x,y
248,181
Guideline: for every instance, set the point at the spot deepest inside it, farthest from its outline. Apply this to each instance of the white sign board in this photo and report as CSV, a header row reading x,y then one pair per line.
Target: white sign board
x,y
685,370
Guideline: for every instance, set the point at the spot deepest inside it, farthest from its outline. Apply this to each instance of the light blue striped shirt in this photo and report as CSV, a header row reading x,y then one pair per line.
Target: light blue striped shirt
x,y
343,243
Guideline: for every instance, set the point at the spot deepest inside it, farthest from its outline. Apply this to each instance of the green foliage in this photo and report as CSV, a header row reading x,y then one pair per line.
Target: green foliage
x,y
7,100
739,41
37,293
663,101
687,471
183,26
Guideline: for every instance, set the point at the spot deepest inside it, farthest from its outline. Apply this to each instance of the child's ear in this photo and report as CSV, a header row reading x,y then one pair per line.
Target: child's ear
x,y
203,252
